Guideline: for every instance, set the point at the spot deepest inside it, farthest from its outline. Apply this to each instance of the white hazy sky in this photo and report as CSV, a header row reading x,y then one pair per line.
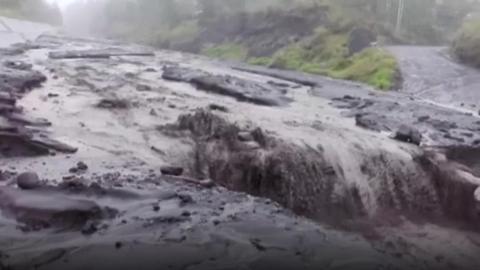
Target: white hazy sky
x,y
62,3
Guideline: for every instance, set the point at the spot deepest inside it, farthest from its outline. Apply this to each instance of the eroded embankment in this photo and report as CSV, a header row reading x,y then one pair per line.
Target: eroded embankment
x,y
301,177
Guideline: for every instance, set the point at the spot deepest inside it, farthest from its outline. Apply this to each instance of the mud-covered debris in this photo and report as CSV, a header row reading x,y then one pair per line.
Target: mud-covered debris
x,y
240,89
79,168
82,166
408,134
19,81
17,65
257,243
144,88
29,121
171,170
216,107
53,144
245,136
28,180
7,98
99,54
153,112
113,104
90,227
39,208
368,121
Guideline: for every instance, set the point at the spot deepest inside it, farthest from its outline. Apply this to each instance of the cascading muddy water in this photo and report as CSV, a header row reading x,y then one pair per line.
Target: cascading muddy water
x,y
324,184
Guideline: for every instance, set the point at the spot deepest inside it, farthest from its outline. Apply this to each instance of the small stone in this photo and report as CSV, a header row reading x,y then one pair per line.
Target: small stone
x,y
408,134
171,170
156,208
153,112
423,118
82,166
216,107
245,136
144,88
52,95
186,214
28,181
89,228
118,245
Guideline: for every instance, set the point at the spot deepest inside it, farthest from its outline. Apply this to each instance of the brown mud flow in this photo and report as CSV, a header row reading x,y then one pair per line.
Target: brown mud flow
x,y
170,160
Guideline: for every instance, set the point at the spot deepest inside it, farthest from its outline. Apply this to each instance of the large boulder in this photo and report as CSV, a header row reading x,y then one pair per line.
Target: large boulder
x,y
408,134
359,39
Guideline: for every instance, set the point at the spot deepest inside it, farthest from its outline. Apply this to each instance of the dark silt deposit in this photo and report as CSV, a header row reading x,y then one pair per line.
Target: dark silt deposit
x,y
113,157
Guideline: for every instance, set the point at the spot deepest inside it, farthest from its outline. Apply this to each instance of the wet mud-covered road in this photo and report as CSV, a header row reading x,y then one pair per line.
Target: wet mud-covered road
x,y
119,156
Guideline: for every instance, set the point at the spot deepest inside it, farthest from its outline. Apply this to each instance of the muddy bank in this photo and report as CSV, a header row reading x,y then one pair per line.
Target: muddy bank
x,y
21,135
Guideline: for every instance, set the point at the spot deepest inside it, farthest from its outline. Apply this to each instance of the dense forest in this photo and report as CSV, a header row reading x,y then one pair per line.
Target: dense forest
x,y
35,10
327,37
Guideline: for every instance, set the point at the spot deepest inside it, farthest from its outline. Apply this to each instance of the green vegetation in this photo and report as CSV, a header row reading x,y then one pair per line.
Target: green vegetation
x,y
466,45
326,54
314,39
227,51
34,10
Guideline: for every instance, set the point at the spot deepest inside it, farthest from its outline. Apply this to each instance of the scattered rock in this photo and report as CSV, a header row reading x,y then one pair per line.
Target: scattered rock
x,y
98,54
257,244
359,39
90,227
408,134
245,136
368,121
216,107
113,104
17,65
170,170
28,180
82,166
144,88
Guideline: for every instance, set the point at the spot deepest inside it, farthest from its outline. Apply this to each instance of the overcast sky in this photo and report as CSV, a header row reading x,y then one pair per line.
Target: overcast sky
x,y
62,3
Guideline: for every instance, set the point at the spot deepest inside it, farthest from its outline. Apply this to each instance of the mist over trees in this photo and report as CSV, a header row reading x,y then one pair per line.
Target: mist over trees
x,y
34,10
153,21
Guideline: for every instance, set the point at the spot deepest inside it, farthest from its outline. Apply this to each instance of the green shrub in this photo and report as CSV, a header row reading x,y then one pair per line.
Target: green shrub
x,y
227,51
326,54
260,61
466,45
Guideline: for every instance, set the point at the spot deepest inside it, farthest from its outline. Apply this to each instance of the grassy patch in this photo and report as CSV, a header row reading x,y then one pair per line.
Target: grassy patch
x,y
373,66
227,51
326,54
260,61
466,45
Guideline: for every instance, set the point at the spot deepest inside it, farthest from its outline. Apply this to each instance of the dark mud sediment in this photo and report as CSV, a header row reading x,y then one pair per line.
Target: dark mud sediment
x,y
395,205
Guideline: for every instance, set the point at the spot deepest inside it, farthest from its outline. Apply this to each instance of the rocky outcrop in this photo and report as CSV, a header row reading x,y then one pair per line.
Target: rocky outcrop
x,y
359,39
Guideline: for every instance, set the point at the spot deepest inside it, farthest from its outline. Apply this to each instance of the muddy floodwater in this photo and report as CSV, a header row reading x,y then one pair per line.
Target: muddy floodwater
x,y
119,156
